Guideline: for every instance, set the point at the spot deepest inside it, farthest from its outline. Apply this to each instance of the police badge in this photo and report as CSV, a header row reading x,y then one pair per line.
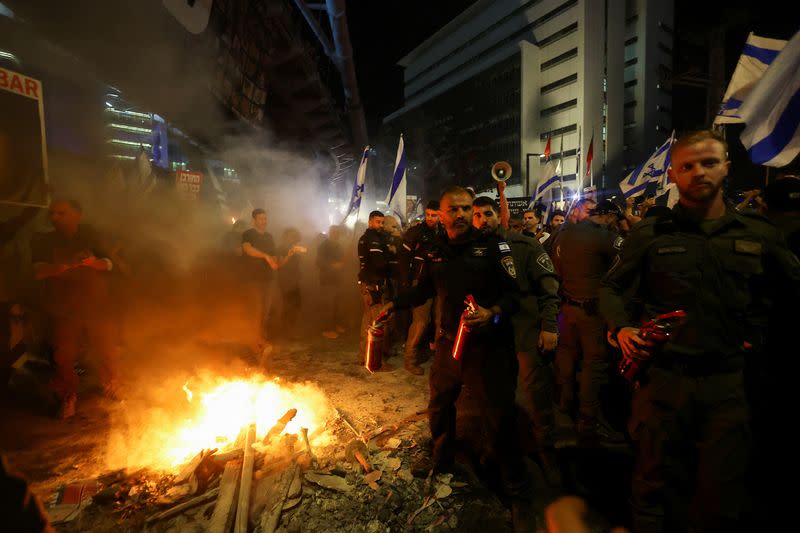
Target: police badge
x,y
508,265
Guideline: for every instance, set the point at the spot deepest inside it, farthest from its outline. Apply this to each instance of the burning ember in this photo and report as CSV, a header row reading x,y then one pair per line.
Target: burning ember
x,y
211,413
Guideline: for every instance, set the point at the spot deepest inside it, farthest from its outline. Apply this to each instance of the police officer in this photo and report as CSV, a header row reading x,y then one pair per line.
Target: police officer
x,y
583,254
465,262
722,267
535,327
373,273
415,242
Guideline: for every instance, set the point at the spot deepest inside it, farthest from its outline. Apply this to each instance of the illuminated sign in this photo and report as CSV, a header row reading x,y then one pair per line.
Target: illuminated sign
x,y
189,183
23,148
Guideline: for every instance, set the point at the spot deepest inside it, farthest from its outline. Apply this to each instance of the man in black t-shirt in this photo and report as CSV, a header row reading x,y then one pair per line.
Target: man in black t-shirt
x,y
74,265
260,260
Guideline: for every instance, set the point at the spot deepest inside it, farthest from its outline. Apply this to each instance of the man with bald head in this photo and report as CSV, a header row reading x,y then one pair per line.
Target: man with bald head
x,y
74,265
466,261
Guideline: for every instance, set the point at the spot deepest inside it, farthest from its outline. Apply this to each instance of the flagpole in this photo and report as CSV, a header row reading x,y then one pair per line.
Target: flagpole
x,y
561,174
591,174
578,165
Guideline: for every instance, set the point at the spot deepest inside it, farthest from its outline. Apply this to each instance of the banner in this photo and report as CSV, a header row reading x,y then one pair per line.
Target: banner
x,y
517,206
189,183
23,146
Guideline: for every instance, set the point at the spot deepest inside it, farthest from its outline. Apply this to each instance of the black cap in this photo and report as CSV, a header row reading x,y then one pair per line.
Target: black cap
x,y
783,194
607,207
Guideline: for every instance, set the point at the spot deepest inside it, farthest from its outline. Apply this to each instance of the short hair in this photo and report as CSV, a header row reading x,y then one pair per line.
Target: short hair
x,y
376,214
531,211
258,211
455,189
583,201
558,212
485,201
433,204
694,137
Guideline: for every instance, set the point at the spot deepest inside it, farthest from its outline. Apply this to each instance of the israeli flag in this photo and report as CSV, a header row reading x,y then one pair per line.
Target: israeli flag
x,y
772,110
652,170
550,177
396,200
358,186
758,54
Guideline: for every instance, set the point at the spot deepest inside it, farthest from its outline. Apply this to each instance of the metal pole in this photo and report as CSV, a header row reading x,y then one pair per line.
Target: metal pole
x,y
347,70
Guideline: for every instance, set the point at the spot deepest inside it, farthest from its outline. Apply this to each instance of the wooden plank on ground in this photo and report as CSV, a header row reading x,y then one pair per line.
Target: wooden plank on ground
x,y
225,510
245,486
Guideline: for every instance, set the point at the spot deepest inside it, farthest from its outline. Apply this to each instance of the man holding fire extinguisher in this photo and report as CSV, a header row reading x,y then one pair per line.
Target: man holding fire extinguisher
x,y
467,262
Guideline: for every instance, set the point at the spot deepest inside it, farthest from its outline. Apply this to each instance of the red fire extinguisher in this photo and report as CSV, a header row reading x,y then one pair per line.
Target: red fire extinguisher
x,y
657,330
463,329
375,334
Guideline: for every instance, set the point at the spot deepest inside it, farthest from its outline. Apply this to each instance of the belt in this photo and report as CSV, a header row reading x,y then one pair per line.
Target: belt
x,y
699,367
583,304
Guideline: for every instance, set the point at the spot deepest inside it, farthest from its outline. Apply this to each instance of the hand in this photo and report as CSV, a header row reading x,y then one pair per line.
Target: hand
x,y
632,345
481,317
649,202
95,263
548,341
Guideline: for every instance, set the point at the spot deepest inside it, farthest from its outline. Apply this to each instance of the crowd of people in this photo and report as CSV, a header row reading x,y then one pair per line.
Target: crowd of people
x,y
558,304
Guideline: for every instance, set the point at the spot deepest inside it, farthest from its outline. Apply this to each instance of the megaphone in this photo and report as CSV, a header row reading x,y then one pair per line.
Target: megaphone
x,y
501,171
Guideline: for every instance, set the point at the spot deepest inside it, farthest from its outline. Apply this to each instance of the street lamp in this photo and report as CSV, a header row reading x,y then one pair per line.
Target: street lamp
x,y
528,172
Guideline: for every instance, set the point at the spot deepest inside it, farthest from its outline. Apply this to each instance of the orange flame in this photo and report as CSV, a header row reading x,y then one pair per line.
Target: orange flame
x,y
166,437
188,392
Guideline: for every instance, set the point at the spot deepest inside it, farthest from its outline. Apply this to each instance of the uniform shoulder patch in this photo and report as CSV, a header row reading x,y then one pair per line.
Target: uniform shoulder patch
x,y
545,262
504,247
508,264
747,247
618,242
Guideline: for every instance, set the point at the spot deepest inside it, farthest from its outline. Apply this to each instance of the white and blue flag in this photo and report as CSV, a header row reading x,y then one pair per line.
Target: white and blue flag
x,y
772,110
358,185
758,54
396,200
652,170
550,177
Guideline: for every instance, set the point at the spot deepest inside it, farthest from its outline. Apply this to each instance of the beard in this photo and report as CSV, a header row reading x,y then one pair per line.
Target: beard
x,y
701,191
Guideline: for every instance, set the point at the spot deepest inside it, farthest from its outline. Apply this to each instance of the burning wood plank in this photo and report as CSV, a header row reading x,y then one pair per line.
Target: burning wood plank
x,y
314,462
279,426
199,500
243,508
225,509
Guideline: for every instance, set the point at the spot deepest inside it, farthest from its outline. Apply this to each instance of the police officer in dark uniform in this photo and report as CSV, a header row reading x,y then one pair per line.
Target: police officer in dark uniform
x,y
415,241
583,254
467,261
373,273
535,327
691,414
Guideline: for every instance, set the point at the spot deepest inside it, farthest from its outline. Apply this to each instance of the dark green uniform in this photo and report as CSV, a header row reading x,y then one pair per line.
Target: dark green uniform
x,y
692,416
583,254
480,264
412,257
538,312
373,277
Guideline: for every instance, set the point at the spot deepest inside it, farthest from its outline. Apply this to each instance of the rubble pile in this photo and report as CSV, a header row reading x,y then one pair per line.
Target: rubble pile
x,y
363,481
